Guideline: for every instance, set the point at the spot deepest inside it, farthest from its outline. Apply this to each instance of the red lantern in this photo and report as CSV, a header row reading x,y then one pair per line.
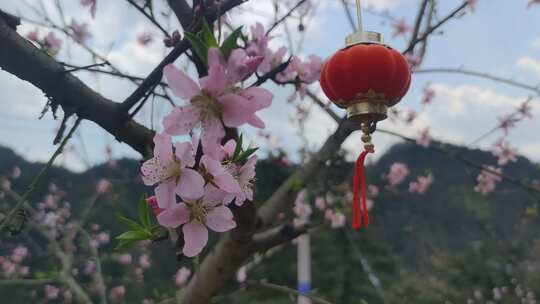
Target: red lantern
x,y
366,77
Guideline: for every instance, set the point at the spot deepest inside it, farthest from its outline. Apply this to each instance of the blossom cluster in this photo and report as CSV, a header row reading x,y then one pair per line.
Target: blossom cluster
x,y
11,266
487,180
219,176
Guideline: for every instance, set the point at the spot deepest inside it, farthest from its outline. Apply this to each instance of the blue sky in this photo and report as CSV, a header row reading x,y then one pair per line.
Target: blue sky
x,y
500,37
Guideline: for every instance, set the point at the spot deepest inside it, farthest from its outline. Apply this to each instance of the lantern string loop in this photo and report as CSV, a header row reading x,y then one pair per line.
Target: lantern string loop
x,y
360,27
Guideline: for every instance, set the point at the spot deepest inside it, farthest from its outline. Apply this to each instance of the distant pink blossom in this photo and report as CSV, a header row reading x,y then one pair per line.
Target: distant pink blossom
x,y
310,71
117,293
124,259
507,122
533,2
5,184
144,39
171,172
398,173
286,161
504,153
52,44
337,219
320,203
144,261
139,274
373,191
19,254
241,274
51,292
16,172
90,268
487,180
400,27
525,109
181,277
272,60
411,116
80,31
428,95
424,139
472,4
196,215
102,186
33,35
237,67
91,4
103,238
414,61
259,41
421,185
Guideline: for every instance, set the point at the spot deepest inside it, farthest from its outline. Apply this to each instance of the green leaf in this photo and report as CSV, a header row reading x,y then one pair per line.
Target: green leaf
x,y
125,244
144,212
135,235
230,43
130,223
238,148
198,46
296,184
245,155
207,35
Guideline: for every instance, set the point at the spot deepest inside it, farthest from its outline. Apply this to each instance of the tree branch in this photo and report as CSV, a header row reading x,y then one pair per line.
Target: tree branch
x,y
288,190
426,34
183,12
156,74
263,241
22,59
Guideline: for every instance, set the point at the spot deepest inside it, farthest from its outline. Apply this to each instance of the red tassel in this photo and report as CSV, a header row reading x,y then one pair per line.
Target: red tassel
x,y
359,187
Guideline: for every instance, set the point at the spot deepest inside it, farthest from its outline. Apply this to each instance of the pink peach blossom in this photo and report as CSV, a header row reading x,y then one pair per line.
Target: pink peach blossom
x,y
144,261
91,4
181,277
80,31
51,292
171,171
196,215
487,180
421,185
211,103
398,173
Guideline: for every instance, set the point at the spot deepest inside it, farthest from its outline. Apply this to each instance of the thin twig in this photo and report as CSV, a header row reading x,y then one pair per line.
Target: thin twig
x,y
286,289
287,15
149,17
426,34
7,220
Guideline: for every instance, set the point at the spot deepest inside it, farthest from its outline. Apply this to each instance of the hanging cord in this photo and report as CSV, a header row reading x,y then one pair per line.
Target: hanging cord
x,y
359,208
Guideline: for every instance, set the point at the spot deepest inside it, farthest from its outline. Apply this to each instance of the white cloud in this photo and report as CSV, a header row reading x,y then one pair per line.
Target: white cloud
x,y
529,64
20,98
536,43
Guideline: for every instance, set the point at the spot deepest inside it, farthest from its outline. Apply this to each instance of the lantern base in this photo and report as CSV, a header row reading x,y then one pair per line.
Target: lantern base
x,y
366,112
